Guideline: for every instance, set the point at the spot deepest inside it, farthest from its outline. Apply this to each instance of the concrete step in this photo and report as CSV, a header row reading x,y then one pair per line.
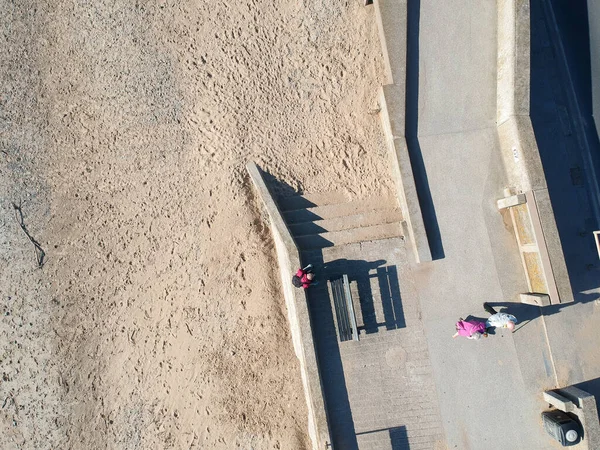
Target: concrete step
x,y
318,256
339,209
311,200
344,237
345,223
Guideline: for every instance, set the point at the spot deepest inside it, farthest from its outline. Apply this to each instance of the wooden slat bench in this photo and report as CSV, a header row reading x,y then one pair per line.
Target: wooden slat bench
x,y
345,318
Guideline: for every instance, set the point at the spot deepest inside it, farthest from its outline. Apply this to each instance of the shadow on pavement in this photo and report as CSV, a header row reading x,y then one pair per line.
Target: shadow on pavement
x,y
412,130
591,387
389,288
398,437
331,369
329,354
525,313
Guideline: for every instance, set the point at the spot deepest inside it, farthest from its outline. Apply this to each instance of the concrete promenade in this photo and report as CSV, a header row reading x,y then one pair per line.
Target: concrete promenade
x,y
485,400
407,384
489,391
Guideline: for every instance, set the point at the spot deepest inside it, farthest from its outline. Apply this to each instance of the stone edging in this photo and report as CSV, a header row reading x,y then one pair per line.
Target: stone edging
x,y
298,315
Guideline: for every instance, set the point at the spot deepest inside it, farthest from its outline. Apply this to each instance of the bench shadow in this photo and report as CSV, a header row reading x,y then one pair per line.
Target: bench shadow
x,y
399,438
360,272
432,228
389,288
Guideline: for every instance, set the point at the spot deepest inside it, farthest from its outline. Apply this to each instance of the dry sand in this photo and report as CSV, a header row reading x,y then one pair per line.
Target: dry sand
x,y
157,320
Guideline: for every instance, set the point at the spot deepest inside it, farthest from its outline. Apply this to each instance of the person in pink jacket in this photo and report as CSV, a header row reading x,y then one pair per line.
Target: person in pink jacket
x,y
471,329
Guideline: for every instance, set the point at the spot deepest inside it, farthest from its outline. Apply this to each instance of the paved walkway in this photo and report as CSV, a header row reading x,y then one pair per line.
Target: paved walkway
x,y
489,390
379,391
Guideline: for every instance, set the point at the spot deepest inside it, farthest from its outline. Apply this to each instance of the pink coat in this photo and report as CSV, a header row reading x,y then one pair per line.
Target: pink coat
x,y
467,328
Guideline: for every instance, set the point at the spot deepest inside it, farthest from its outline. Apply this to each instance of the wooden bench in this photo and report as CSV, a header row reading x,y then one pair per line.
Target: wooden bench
x,y
543,263
345,318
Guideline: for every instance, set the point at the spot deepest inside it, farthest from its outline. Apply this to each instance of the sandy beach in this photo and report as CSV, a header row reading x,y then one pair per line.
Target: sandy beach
x,y
157,319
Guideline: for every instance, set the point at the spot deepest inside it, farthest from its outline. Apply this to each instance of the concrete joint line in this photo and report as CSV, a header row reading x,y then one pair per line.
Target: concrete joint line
x,y
550,350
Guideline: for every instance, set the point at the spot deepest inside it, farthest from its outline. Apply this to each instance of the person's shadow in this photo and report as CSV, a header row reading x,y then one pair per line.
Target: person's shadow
x,y
526,313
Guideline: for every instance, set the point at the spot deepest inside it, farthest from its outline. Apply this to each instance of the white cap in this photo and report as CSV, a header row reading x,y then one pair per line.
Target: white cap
x,y
572,435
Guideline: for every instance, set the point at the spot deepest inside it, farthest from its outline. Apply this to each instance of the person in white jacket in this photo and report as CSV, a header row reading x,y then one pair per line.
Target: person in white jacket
x,y
499,319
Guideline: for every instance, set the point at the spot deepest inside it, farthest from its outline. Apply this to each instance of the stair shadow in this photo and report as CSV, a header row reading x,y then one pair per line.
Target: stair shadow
x,y
279,188
300,216
307,229
279,191
299,202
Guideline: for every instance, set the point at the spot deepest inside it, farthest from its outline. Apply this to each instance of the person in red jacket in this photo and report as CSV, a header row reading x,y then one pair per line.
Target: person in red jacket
x,y
304,277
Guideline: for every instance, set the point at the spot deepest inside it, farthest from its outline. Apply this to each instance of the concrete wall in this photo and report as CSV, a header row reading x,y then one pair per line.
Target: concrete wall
x,y
518,146
406,189
513,59
298,315
517,141
391,17
594,22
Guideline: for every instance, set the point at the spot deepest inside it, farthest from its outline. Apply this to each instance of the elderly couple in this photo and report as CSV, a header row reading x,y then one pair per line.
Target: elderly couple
x,y
474,329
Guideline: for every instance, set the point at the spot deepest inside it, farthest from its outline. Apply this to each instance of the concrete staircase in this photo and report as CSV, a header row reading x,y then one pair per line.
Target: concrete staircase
x,y
325,220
